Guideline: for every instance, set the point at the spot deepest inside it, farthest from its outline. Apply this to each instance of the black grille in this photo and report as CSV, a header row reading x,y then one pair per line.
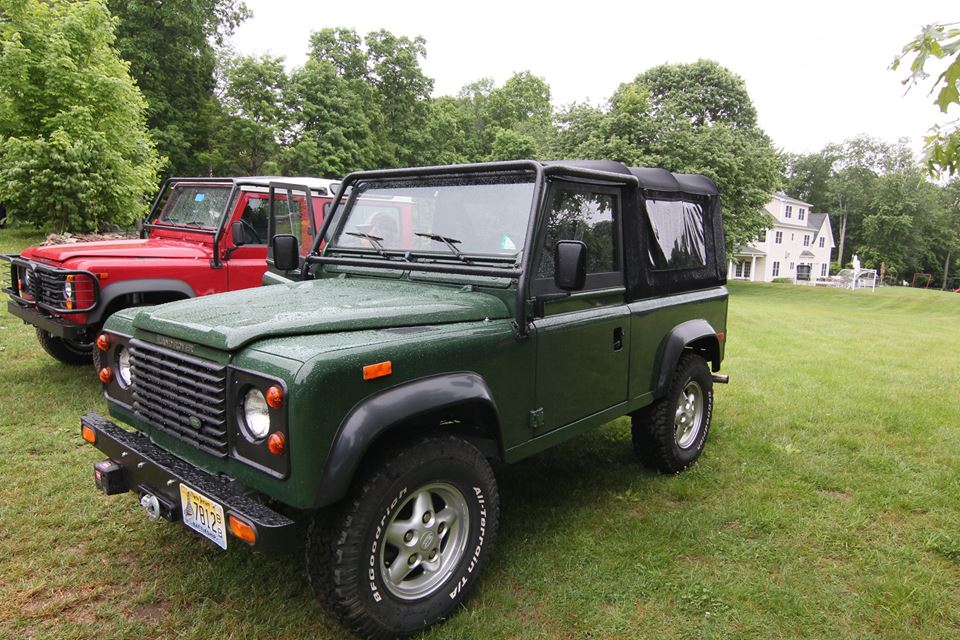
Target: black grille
x,y
181,395
47,287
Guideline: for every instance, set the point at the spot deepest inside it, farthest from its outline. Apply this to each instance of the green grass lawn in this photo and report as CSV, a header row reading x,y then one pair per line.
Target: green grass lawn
x,y
827,504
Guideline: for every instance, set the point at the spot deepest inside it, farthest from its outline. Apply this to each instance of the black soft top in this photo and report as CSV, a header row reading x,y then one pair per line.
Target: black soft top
x,y
662,180
650,178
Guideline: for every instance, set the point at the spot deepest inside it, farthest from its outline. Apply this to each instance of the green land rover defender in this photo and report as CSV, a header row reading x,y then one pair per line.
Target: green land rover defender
x,y
440,318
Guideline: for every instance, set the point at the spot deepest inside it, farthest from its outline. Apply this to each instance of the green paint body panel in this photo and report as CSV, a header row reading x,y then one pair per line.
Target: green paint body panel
x,y
587,359
230,321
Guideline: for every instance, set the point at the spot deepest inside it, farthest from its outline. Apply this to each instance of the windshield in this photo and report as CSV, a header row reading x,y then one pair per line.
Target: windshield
x,y
466,216
195,206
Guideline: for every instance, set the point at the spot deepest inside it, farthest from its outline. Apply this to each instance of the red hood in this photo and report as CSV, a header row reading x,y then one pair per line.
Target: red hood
x,y
148,248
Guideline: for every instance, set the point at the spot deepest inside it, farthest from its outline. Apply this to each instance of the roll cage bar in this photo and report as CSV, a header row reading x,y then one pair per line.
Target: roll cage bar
x,y
520,269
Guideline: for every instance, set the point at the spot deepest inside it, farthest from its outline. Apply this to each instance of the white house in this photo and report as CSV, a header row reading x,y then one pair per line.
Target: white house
x,y
798,246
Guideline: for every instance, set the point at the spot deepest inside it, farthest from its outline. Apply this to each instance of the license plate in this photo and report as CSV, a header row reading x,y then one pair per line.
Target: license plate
x,y
203,515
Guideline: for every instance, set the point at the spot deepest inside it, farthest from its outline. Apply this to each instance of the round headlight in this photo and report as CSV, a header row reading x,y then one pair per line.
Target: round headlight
x,y
256,416
124,373
67,290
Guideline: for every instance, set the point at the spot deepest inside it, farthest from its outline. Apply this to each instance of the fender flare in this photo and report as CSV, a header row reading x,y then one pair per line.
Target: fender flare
x,y
377,414
110,292
672,346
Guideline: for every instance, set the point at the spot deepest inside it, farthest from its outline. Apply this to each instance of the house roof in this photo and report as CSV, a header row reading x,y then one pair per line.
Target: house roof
x,y
807,254
749,251
782,196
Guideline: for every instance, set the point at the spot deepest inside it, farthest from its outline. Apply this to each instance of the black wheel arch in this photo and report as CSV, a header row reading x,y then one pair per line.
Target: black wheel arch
x,y
459,403
154,290
698,336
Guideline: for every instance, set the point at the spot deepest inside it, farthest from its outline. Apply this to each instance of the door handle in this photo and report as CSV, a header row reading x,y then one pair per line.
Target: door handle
x,y
618,339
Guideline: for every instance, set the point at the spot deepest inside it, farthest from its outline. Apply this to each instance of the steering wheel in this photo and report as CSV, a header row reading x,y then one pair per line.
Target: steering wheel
x,y
253,230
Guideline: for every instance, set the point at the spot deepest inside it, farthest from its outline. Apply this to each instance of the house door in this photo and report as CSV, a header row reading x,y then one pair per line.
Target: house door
x,y
803,271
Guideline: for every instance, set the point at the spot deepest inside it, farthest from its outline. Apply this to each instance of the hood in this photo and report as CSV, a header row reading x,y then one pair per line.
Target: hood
x,y
136,248
229,321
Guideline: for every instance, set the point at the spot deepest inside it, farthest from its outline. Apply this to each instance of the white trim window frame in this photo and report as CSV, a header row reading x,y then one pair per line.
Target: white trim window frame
x,y
776,268
778,237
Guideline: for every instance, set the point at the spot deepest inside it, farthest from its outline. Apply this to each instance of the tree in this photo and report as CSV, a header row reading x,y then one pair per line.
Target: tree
x,y
248,137
170,48
333,120
384,70
942,42
519,112
693,118
74,149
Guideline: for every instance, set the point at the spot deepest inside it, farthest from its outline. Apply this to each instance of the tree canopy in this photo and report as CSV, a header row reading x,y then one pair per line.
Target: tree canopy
x,y
689,118
940,42
74,149
170,46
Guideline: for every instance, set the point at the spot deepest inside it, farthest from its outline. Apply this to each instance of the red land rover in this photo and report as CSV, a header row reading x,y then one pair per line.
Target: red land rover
x,y
203,236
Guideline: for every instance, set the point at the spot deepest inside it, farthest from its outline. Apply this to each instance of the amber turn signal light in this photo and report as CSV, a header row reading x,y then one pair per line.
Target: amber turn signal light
x,y
103,342
241,529
276,444
106,375
88,434
378,370
275,397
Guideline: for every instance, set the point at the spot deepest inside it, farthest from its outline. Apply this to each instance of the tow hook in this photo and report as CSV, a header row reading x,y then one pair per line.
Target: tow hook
x,y
151,505
719,379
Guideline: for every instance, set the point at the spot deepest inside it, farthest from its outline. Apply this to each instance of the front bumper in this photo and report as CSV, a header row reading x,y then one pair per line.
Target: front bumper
x,y
52,325
148,469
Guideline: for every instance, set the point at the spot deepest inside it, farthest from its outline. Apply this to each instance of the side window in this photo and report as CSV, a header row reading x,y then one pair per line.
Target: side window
x,y
678,235
592,217
291,216
256,219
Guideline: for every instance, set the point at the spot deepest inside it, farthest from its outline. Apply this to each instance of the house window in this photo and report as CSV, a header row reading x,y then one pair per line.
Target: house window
x,y
823,270
742,270
778,237
791,266
801,214
776,268
821,242
806,241
788,211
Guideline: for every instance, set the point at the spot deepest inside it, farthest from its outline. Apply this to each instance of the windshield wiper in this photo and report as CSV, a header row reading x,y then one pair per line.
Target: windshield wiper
x,y
373,240
450,242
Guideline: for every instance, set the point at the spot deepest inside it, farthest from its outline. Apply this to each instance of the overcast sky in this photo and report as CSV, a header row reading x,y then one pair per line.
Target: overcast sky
x,y
817,71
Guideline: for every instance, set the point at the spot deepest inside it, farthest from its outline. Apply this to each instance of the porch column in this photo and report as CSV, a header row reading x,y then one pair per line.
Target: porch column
x,y
753,267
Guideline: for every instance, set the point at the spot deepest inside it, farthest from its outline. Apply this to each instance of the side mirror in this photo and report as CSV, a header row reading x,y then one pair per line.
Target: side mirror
x,y
570,265
239,233
286,252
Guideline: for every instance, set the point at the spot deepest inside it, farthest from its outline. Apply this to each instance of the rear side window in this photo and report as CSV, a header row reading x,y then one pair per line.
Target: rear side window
x,y
677,234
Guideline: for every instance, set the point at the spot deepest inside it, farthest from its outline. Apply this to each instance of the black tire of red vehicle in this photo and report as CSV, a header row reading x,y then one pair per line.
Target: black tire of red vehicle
x,y
657,436
346,546
66,351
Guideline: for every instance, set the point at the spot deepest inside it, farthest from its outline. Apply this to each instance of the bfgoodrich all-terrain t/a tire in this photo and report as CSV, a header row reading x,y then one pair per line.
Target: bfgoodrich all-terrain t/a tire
x,y
669,434
66,351
406,547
